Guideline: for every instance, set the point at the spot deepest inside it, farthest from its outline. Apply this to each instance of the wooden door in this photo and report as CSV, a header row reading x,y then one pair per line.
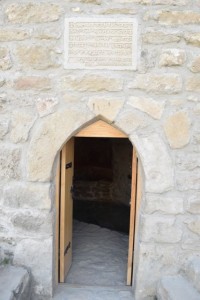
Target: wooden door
x,y
132,217
66,208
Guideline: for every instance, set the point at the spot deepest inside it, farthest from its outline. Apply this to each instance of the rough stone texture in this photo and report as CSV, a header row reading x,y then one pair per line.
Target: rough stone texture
x,y
32,12
158,83
169,204
9,163
179,17
176,287
49,139
193,272
172,57
148,105
194,226
30,221
158,165
21,123
5,60
177,129
46,106
4,128
160,37
160,229
21,195
14,283
192,38
195,65
193,203
32,82
106,106
8,34
37,57
92,83
37,255
193,84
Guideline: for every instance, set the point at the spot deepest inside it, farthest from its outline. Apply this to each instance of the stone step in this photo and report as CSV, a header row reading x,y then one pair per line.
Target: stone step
x,y
193,272
14,283
176,288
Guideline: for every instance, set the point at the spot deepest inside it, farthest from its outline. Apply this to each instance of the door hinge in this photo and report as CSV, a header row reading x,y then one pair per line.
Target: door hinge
x,y
67,248
69,165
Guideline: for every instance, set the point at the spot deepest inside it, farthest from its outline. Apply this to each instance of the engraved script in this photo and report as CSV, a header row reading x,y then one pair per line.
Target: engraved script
x,y
105,44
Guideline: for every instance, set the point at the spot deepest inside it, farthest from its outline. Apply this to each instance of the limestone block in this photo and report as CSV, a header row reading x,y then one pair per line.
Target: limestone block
x,y
157,259
170,2
193,203
106,106
193,272
47,33
172,57
119,11
46,105
2,81
160,230
192,38
8,34
4,127
188,180
195,65
179,17
194,226
32,221
27,195
37,255
176,287
188,162
21,123
158,83
4,102
32,82
193,84
156,162
49,137
37,57
32,12
5,60
147,105
10,162
15,283
177,129
169,204
91,83
161,37
87,1
128,121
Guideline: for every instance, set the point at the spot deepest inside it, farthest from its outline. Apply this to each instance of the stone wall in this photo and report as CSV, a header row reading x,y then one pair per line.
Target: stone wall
x,y
158,106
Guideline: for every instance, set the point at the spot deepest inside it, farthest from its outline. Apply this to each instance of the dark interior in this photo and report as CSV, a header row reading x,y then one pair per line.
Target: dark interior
x,y
102,182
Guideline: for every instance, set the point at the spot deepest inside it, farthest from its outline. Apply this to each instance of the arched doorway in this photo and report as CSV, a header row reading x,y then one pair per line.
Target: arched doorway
x,y
64,206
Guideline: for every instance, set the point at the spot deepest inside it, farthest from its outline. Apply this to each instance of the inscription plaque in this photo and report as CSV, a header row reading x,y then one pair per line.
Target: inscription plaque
x,y
100,43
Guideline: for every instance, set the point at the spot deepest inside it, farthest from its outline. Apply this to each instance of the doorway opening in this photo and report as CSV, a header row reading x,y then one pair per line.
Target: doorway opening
x,y
97,203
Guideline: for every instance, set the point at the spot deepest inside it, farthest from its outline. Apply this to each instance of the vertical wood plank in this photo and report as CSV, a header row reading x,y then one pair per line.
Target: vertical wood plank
x,y
57,218
132,217
66,209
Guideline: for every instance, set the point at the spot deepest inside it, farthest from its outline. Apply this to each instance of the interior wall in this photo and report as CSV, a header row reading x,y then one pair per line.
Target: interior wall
x,y
102,170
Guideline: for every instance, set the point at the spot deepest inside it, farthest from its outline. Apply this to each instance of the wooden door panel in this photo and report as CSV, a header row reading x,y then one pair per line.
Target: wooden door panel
x,y
66,211
132,217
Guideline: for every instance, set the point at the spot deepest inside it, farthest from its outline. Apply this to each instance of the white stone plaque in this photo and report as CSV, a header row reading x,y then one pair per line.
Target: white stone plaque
x,y
101,43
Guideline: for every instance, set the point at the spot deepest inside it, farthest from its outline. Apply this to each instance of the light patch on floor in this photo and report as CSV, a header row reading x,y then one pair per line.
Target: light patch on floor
x,y
99,256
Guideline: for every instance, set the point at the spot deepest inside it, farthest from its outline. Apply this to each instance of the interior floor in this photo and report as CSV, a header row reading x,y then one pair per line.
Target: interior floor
x,y
99,256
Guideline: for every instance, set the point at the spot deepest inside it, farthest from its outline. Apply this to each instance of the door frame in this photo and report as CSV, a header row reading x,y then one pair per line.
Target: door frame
x,y
105,130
